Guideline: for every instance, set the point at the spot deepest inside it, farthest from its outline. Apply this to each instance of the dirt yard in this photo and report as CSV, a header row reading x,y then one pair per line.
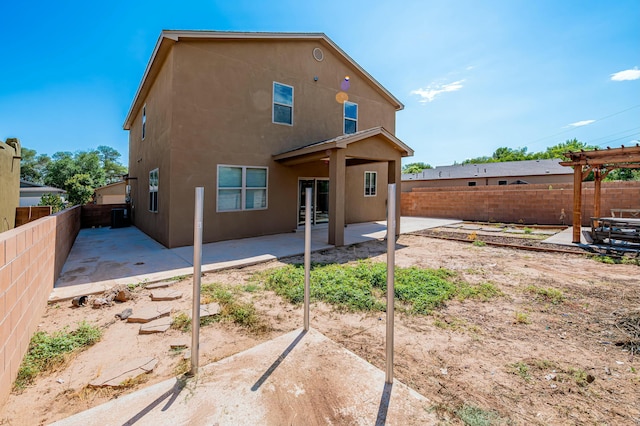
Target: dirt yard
x,y
522,358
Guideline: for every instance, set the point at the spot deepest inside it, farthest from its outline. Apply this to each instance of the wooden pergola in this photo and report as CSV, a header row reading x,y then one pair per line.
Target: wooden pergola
x,y
601,162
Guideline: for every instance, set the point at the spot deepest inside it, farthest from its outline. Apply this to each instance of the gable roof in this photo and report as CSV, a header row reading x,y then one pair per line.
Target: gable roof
x,y
169,37
344,140
30,187
492,170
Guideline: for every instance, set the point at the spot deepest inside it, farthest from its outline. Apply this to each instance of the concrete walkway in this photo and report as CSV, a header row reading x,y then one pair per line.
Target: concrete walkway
x,y
103,257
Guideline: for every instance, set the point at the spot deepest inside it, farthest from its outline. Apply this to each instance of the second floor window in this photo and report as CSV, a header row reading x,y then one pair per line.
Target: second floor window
x,y
282,104
350,117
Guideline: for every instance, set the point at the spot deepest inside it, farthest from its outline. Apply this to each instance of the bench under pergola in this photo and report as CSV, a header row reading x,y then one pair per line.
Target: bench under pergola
x,y
601,162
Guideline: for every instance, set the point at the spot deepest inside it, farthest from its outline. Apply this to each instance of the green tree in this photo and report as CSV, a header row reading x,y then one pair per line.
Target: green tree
x,y
61,168
623,174
558,151
32,166
415,167
88,162
109,160
52,200
80,188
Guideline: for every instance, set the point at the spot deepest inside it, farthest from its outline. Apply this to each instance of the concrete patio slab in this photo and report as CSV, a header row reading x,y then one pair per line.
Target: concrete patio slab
x,y
103,257
296,379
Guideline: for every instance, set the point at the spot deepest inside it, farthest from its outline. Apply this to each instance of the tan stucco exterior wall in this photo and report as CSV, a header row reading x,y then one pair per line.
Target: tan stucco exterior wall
x,y
211,104
10,153
114,193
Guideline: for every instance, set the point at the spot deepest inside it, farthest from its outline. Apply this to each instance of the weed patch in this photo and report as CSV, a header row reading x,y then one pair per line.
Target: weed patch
x,y
48,351
548,294
475,416
362,286
521,369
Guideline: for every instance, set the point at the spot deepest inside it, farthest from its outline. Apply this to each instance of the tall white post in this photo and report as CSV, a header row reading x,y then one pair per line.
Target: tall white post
x,y
307,256
197,270
391,260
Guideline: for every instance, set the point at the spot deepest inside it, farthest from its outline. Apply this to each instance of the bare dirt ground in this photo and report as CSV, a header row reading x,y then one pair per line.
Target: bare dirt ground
x,y
521,357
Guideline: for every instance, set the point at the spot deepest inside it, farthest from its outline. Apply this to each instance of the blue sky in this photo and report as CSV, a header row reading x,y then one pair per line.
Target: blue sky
x,y
473,75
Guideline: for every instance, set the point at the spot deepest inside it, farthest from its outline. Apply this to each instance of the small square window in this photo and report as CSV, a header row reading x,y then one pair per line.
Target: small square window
x,y
282,104
502,182
471,184
241,188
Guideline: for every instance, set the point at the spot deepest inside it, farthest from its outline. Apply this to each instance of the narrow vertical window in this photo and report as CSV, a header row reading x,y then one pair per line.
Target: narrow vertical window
x,y
144,121
153,191
350,117
370,184
282,104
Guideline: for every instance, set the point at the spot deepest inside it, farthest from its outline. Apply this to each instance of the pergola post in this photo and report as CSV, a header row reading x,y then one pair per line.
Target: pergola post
x,y
596,192
577,202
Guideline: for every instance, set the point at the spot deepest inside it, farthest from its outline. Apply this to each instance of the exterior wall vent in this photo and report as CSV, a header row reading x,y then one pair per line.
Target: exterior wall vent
x,y
318,54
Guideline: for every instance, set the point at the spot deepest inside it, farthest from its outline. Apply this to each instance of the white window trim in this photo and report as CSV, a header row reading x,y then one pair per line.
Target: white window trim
x,y
152,189
144,121
274,103
243,189
375,187
345,118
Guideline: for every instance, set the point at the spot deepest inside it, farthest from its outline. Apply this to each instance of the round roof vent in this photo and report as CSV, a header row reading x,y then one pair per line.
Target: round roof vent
x,y
318,54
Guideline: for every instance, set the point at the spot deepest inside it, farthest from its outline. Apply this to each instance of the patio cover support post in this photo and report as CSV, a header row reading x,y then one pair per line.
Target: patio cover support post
x,y
394,175
391,260
307,256
577,202
337,181
197,270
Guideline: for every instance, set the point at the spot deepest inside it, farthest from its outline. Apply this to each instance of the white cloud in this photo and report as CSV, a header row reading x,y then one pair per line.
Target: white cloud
x,y
633,74
434,90
581,123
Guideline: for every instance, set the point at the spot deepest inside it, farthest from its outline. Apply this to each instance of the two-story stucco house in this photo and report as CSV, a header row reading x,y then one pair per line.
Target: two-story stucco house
x,y
255,118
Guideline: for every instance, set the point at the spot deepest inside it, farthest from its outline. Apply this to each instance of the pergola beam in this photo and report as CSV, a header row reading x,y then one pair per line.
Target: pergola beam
x,y
601,163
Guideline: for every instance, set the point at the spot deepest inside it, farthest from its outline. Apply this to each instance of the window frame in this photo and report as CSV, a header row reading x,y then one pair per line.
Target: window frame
x,y
144,121
371,189
274,103
502,182
345,118
243,188
153,189
472,183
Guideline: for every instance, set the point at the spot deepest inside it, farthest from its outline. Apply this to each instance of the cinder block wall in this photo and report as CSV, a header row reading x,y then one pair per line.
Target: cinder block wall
x,y
528,204
31,258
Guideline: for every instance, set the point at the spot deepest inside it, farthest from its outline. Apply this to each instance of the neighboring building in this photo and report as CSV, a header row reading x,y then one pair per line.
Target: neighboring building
x,y
10,154
255,118
30,193
505,173
114,193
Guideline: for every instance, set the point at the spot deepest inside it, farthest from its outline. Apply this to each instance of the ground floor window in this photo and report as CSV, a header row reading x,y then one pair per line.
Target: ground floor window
x,y
370,184
153,190
241,188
